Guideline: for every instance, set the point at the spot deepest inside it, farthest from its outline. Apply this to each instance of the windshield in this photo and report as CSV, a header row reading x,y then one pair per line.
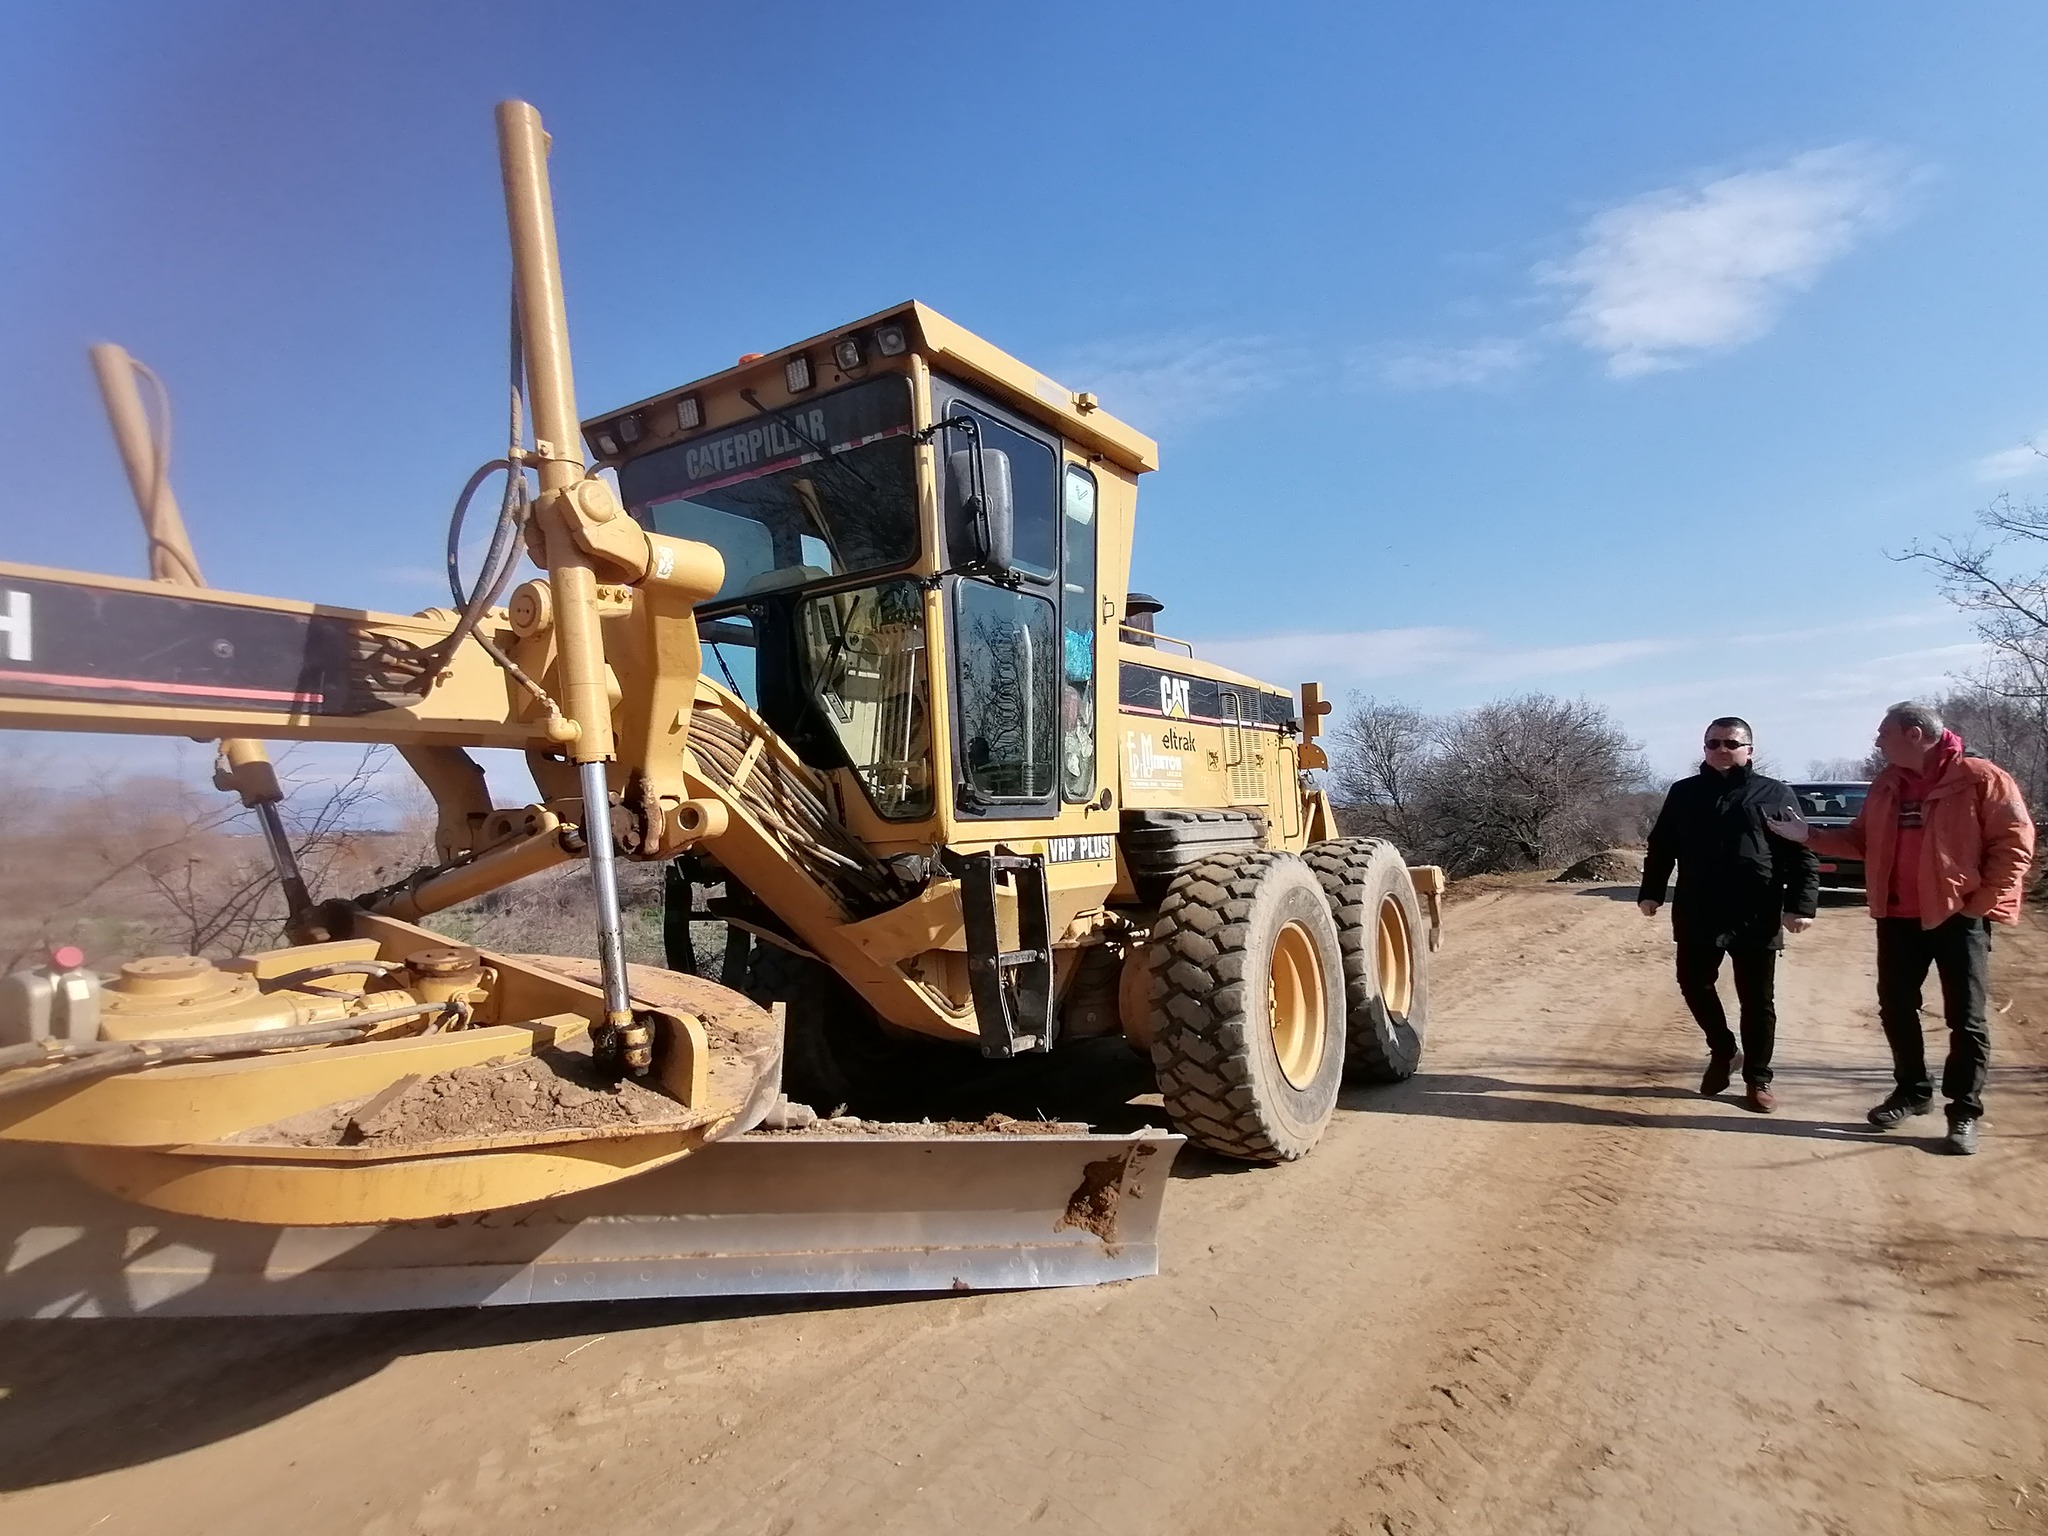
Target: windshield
x,y
1824,800
821,488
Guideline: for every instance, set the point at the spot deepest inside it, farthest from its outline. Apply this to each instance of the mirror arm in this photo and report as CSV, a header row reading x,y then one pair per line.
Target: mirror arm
x,y
965,424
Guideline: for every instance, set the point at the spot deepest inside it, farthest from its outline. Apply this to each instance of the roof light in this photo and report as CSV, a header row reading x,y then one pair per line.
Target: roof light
x,y
606,445
628,428
796,373
892,341
846,353
688,416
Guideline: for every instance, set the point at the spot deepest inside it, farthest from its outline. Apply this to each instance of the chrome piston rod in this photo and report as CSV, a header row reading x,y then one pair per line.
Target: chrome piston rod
x,y
635,1046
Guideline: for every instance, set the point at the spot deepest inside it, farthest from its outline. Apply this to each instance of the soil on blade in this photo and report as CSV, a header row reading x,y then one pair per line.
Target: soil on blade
x,y
552,1090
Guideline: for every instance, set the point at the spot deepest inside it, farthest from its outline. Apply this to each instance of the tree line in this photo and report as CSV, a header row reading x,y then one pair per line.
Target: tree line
x,y
1529,782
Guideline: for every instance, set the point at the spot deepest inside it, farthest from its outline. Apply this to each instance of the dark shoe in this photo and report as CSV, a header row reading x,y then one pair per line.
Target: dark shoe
x,y
1760,1099
1961,1138
1719,1070
1897,1108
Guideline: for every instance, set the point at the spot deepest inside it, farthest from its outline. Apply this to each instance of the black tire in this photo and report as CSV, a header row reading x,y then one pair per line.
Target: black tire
x,y
1364,877
836,1053
1214,1050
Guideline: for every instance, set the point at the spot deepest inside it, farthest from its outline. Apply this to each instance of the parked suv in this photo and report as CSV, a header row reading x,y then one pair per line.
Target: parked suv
x,y
1834,805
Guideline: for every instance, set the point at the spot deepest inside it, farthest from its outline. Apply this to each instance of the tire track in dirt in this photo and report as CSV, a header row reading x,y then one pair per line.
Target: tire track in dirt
x,y
1440,1424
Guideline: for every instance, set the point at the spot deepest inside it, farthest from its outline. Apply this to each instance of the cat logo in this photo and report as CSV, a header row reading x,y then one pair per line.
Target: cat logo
x,y
1173,697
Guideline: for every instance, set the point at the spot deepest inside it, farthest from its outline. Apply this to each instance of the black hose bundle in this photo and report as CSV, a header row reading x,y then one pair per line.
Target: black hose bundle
x,y
795,814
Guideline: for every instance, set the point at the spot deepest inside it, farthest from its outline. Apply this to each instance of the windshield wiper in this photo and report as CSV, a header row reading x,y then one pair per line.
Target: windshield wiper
x,y
825,454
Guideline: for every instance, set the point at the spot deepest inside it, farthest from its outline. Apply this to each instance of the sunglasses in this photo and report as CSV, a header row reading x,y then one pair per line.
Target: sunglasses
x,y
1725,744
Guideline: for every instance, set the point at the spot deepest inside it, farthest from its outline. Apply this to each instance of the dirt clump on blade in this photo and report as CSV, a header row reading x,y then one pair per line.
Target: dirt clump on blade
x,y
554,1090
1092,1206
1608,865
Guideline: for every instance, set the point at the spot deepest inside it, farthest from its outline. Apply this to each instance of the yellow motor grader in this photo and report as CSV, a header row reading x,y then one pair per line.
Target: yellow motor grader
x,y
843,631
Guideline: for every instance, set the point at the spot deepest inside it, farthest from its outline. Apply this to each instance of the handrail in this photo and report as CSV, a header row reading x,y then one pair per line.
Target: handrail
x,y
1154,638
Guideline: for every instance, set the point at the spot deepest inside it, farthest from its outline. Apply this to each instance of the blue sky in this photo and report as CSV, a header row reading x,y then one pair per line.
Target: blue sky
x,y
1599,349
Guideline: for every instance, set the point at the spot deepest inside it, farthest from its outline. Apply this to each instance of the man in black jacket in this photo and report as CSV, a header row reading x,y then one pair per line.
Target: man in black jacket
x,y
1741,888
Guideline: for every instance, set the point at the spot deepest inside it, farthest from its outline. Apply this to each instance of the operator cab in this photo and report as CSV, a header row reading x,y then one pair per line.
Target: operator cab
x,y
882,493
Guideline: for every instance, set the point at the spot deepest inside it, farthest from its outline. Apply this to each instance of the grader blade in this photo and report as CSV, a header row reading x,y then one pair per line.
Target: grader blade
x,y
758,1215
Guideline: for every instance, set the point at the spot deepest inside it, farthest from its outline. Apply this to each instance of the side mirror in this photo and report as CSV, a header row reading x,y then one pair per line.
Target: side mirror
x,y
988,514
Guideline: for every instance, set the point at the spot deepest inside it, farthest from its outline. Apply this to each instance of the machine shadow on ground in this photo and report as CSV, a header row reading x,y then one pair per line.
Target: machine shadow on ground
x,y
83,1396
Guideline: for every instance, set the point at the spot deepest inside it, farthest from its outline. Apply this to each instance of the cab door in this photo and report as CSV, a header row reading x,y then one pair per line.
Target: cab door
x,y
1007,643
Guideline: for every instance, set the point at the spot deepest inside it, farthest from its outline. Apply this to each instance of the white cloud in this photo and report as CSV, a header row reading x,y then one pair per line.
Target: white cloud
x,y
1353,655
1934,614
1826,705
1552,660
1675,273
2010,464
1160,384
1441,655
1454,367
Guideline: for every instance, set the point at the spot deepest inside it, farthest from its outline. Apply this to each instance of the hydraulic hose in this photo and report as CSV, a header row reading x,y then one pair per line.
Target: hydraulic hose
x,y
294,979
502,559
85,1060
795,813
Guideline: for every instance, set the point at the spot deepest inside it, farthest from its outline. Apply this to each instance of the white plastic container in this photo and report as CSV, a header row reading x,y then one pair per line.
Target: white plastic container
x,y
58,1001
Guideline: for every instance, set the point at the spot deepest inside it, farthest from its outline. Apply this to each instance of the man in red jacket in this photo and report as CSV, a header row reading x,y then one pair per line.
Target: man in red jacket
x,y
1945,841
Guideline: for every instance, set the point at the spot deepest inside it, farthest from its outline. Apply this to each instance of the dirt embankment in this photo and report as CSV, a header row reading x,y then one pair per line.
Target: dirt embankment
x,y
1542,1288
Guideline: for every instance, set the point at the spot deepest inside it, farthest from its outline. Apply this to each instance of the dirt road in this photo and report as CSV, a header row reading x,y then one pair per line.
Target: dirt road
x,y
1543,1287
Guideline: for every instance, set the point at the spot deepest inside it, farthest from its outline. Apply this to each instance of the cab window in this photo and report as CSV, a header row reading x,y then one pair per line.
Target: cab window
x,y
1034,487
1077,636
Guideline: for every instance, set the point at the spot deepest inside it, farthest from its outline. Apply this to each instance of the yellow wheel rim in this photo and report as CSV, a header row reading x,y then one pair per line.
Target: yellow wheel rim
x,y
1397,959
1297,1004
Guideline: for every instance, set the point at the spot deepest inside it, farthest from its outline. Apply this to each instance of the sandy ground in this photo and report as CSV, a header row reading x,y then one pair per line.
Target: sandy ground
x,y
1544,1287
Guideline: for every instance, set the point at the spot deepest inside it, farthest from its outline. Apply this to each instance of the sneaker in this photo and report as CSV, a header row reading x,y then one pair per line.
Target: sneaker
x,y
1897,1108
1961,1138
1719,1070
1760,1099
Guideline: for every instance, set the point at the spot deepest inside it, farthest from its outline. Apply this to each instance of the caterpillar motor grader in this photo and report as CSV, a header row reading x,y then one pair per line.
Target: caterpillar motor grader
x,y
843,630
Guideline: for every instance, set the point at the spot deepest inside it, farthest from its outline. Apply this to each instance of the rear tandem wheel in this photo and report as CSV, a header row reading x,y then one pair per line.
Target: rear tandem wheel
x,y
1386,958
1247,999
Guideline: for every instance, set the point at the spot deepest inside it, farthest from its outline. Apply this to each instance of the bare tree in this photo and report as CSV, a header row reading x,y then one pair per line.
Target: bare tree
x,y
146,863
1520,783
1380,751
213,876
1985,577
1524,782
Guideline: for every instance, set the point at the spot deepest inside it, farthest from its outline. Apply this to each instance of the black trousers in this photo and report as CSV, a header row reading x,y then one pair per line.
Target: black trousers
x,y
1960,952
1756,990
